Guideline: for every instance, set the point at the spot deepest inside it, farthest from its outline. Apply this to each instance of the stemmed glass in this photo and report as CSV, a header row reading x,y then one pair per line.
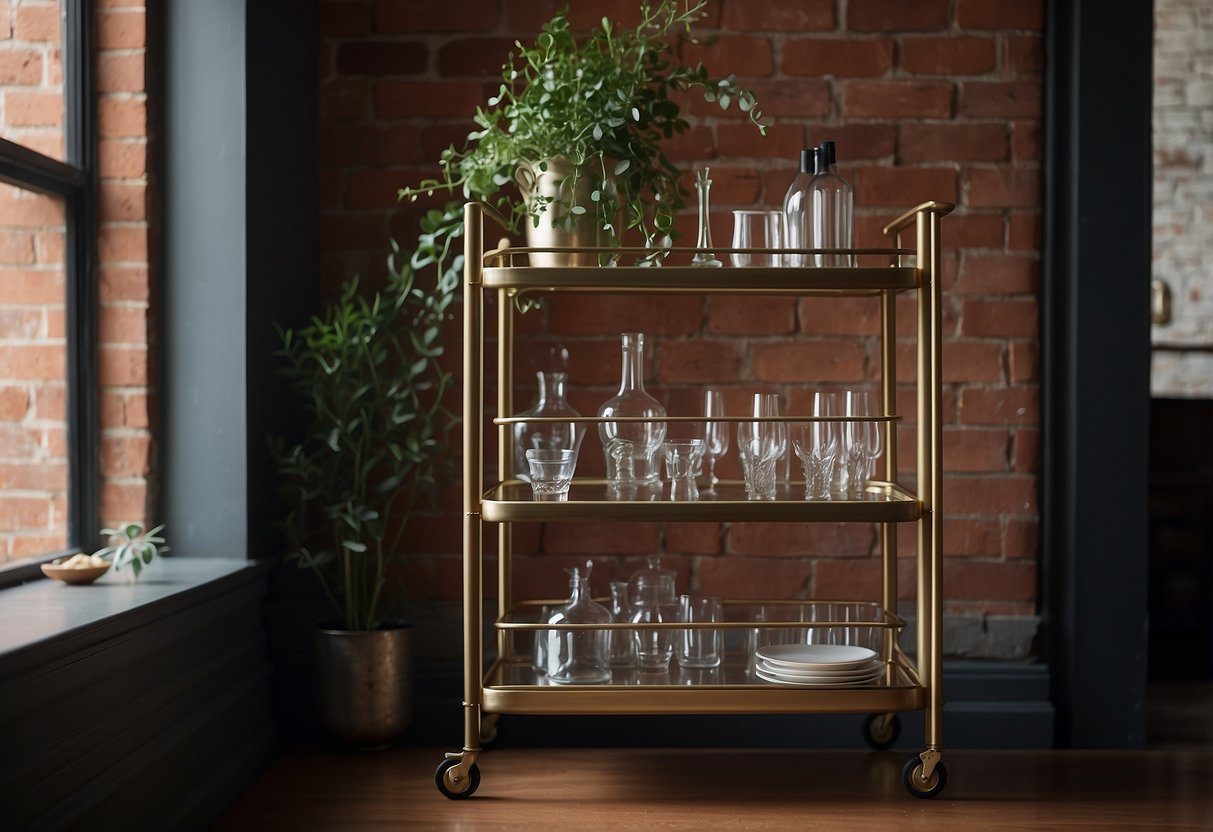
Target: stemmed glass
x,y
715,434
864,441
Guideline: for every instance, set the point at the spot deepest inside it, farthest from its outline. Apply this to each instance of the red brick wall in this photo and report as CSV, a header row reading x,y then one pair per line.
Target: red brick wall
x,y
33,450
927,99
126,309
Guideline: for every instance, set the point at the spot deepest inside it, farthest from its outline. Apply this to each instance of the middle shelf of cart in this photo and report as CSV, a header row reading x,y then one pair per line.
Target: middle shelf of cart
x,y
593,500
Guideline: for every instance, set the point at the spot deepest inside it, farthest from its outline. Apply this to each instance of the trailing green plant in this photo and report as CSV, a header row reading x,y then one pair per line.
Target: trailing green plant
x,y
130,546
372,388
604,104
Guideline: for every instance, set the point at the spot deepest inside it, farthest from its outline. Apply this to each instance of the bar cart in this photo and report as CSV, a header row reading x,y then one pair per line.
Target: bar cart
x,y
907,683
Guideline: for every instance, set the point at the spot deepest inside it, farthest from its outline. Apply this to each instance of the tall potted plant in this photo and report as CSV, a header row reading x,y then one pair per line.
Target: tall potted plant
x,y
574,132
371,390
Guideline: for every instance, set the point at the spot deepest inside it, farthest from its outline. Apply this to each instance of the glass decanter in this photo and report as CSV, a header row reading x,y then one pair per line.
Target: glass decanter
x,y
653,571
632,449
549,436
580,657
703,240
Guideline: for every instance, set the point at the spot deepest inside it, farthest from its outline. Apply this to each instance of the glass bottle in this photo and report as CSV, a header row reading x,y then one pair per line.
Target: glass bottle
x,y
550,402
652,604
580,657
830,210
623,643
796,207
632,449
703,240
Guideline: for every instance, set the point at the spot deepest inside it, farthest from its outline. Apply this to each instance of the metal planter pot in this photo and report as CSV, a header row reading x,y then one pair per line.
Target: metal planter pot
x,y
366,684
555,183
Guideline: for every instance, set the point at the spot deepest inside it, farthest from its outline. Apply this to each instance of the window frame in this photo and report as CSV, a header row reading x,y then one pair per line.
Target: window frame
x,y
75,182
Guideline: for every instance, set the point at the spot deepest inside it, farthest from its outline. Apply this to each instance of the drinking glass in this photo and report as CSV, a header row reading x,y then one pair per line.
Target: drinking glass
x,y
539,653
683,459
756,229
551,472
651,605
623,642
816,444
862,438
698,647
761,446
715,434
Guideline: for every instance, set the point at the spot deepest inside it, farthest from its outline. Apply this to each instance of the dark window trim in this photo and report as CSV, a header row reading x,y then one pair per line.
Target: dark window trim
x,y
1095,355
75,181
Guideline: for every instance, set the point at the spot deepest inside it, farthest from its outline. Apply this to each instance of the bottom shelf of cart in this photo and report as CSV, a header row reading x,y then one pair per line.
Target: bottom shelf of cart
x,y
513,687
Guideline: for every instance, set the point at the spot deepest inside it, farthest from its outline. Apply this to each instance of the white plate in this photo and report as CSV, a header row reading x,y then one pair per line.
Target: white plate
x,y
816,656
790,680
866,670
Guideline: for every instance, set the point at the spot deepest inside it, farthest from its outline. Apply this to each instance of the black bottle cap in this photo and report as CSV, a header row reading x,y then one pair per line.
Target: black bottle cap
x,y
808,159
827,154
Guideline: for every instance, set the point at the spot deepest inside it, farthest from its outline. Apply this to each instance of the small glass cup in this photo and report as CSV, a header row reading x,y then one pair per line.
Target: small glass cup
x,y
698,647
683,462
756,229
551,473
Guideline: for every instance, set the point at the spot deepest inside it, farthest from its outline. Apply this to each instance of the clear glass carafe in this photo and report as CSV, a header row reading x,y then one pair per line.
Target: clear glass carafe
x,y
547,436
652,604
580,657
632,449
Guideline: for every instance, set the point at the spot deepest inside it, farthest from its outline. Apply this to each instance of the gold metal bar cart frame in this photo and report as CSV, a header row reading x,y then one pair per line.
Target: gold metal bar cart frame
x,y
510,686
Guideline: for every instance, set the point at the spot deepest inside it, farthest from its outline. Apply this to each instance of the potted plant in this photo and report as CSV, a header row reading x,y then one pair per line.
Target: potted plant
x,y
574,132
372,390
131,547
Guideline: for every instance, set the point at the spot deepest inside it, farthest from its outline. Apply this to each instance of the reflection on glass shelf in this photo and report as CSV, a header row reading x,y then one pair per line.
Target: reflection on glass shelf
x,y
726,491
736,669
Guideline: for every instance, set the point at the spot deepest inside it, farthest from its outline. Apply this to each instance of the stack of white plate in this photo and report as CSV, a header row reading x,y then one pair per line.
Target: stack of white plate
x,y
818,665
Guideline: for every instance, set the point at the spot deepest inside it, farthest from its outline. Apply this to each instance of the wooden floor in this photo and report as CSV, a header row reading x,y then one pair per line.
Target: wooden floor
x,y
1168,787
614,789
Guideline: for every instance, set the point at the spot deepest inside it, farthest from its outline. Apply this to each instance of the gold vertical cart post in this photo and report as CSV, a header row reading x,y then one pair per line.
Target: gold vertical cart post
x,y
509,685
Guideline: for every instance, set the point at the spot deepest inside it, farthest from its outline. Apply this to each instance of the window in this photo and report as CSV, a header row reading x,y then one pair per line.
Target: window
x,y
46,311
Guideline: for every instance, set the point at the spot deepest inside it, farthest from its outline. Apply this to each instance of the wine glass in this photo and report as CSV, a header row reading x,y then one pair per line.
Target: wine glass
x,y
715,434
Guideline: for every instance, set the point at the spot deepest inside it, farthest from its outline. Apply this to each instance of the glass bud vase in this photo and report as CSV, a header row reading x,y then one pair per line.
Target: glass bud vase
x,y
580,657
703,240
548,436
632,449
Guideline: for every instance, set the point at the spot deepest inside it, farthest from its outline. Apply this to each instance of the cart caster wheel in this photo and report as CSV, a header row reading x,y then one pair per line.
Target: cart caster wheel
x,y
911,775
880,731
456,790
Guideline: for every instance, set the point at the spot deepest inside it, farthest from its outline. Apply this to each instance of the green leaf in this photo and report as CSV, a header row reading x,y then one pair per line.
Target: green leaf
x,y
622,165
